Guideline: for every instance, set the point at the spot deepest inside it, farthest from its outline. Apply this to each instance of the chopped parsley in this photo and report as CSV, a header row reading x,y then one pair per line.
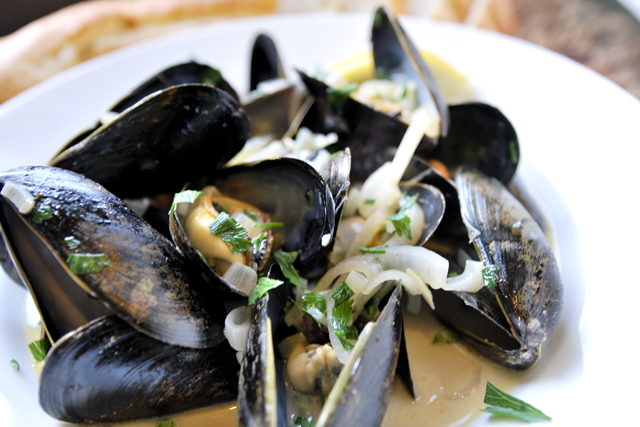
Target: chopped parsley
x,y
87,263
15,364
269,225
314,306
249,215
187,196
337,97
370,201
374,250
513,151
212,77
285,260
341,314
445,337
39,349
490,276
258,241
72,242
303,422
504,405
370,309
401,221
231,232
264,285
43,212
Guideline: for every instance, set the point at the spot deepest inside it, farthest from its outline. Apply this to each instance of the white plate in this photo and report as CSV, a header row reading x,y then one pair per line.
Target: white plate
x,y
578,134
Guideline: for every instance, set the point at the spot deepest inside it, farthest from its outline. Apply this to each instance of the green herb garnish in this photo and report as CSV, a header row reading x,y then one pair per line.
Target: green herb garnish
x,y
15,364
314,306
341,314
187,196
443,337
370,201
513,152
505,405
264,285
285,260
249,215
374,250
231,232
269,225
453,274
72,242
40,348
43,212
258,241
87,263
371,309
490,276
303,422
401,221
337,97
212,77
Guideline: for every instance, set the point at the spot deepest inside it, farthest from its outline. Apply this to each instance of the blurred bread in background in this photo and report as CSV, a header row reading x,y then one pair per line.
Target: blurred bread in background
x,y
87,29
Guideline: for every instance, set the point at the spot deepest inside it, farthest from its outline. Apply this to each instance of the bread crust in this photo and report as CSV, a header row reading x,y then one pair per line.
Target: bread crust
x,y
87,29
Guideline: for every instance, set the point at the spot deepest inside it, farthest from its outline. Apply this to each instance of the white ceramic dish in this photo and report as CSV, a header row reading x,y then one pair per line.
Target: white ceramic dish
x,y
577,133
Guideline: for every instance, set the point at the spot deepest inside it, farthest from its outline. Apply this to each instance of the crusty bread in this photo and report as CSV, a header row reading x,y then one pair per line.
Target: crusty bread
x,y
87,29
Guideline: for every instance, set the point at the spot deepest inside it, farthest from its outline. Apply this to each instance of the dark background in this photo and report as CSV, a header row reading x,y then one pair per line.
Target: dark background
x,y
17,13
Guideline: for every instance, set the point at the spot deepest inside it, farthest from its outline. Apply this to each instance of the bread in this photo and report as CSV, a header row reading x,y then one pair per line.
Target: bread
x,y
87,29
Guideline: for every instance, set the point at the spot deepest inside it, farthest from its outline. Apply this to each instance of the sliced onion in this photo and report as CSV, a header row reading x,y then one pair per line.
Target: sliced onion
x,y
22,199
236,327
430,266
242,277
370,228
365,264
469,281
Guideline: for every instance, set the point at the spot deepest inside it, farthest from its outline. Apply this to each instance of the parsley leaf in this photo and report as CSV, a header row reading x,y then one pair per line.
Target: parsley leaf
x,y
187,196
337,97
231,232
505,405
15,364
374,250
444,337
370,309
43,212
212,77
72,242
285,261
39,349
341,314
303,422
87,263
264,285
401,221
269,225
258,241
490,276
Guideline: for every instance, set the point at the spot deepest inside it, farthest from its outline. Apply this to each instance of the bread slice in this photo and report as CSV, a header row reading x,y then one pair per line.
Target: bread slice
x,y
87,29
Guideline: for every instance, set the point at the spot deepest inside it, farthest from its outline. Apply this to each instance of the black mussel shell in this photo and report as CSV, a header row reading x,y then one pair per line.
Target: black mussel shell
x,y
147,282
291,192
510,323
481,137
265,61
162,142
185,73
364,400
396,58
108,372
366,132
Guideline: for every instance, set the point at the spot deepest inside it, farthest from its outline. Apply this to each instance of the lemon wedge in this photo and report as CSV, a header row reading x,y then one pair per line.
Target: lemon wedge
x,y
454,85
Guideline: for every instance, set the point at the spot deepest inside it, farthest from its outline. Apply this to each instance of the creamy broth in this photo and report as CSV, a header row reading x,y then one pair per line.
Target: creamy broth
x,y
449,380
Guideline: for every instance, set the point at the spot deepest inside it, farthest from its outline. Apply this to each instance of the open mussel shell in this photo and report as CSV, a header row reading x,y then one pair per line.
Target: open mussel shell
x,y
185,73
165,140
396,58
143,278
366,132
481,137
291,192
265,61
510,323
107,371
364,399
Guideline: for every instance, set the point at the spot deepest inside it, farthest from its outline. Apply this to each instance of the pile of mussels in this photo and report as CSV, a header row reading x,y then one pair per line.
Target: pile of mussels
x,y
136,316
